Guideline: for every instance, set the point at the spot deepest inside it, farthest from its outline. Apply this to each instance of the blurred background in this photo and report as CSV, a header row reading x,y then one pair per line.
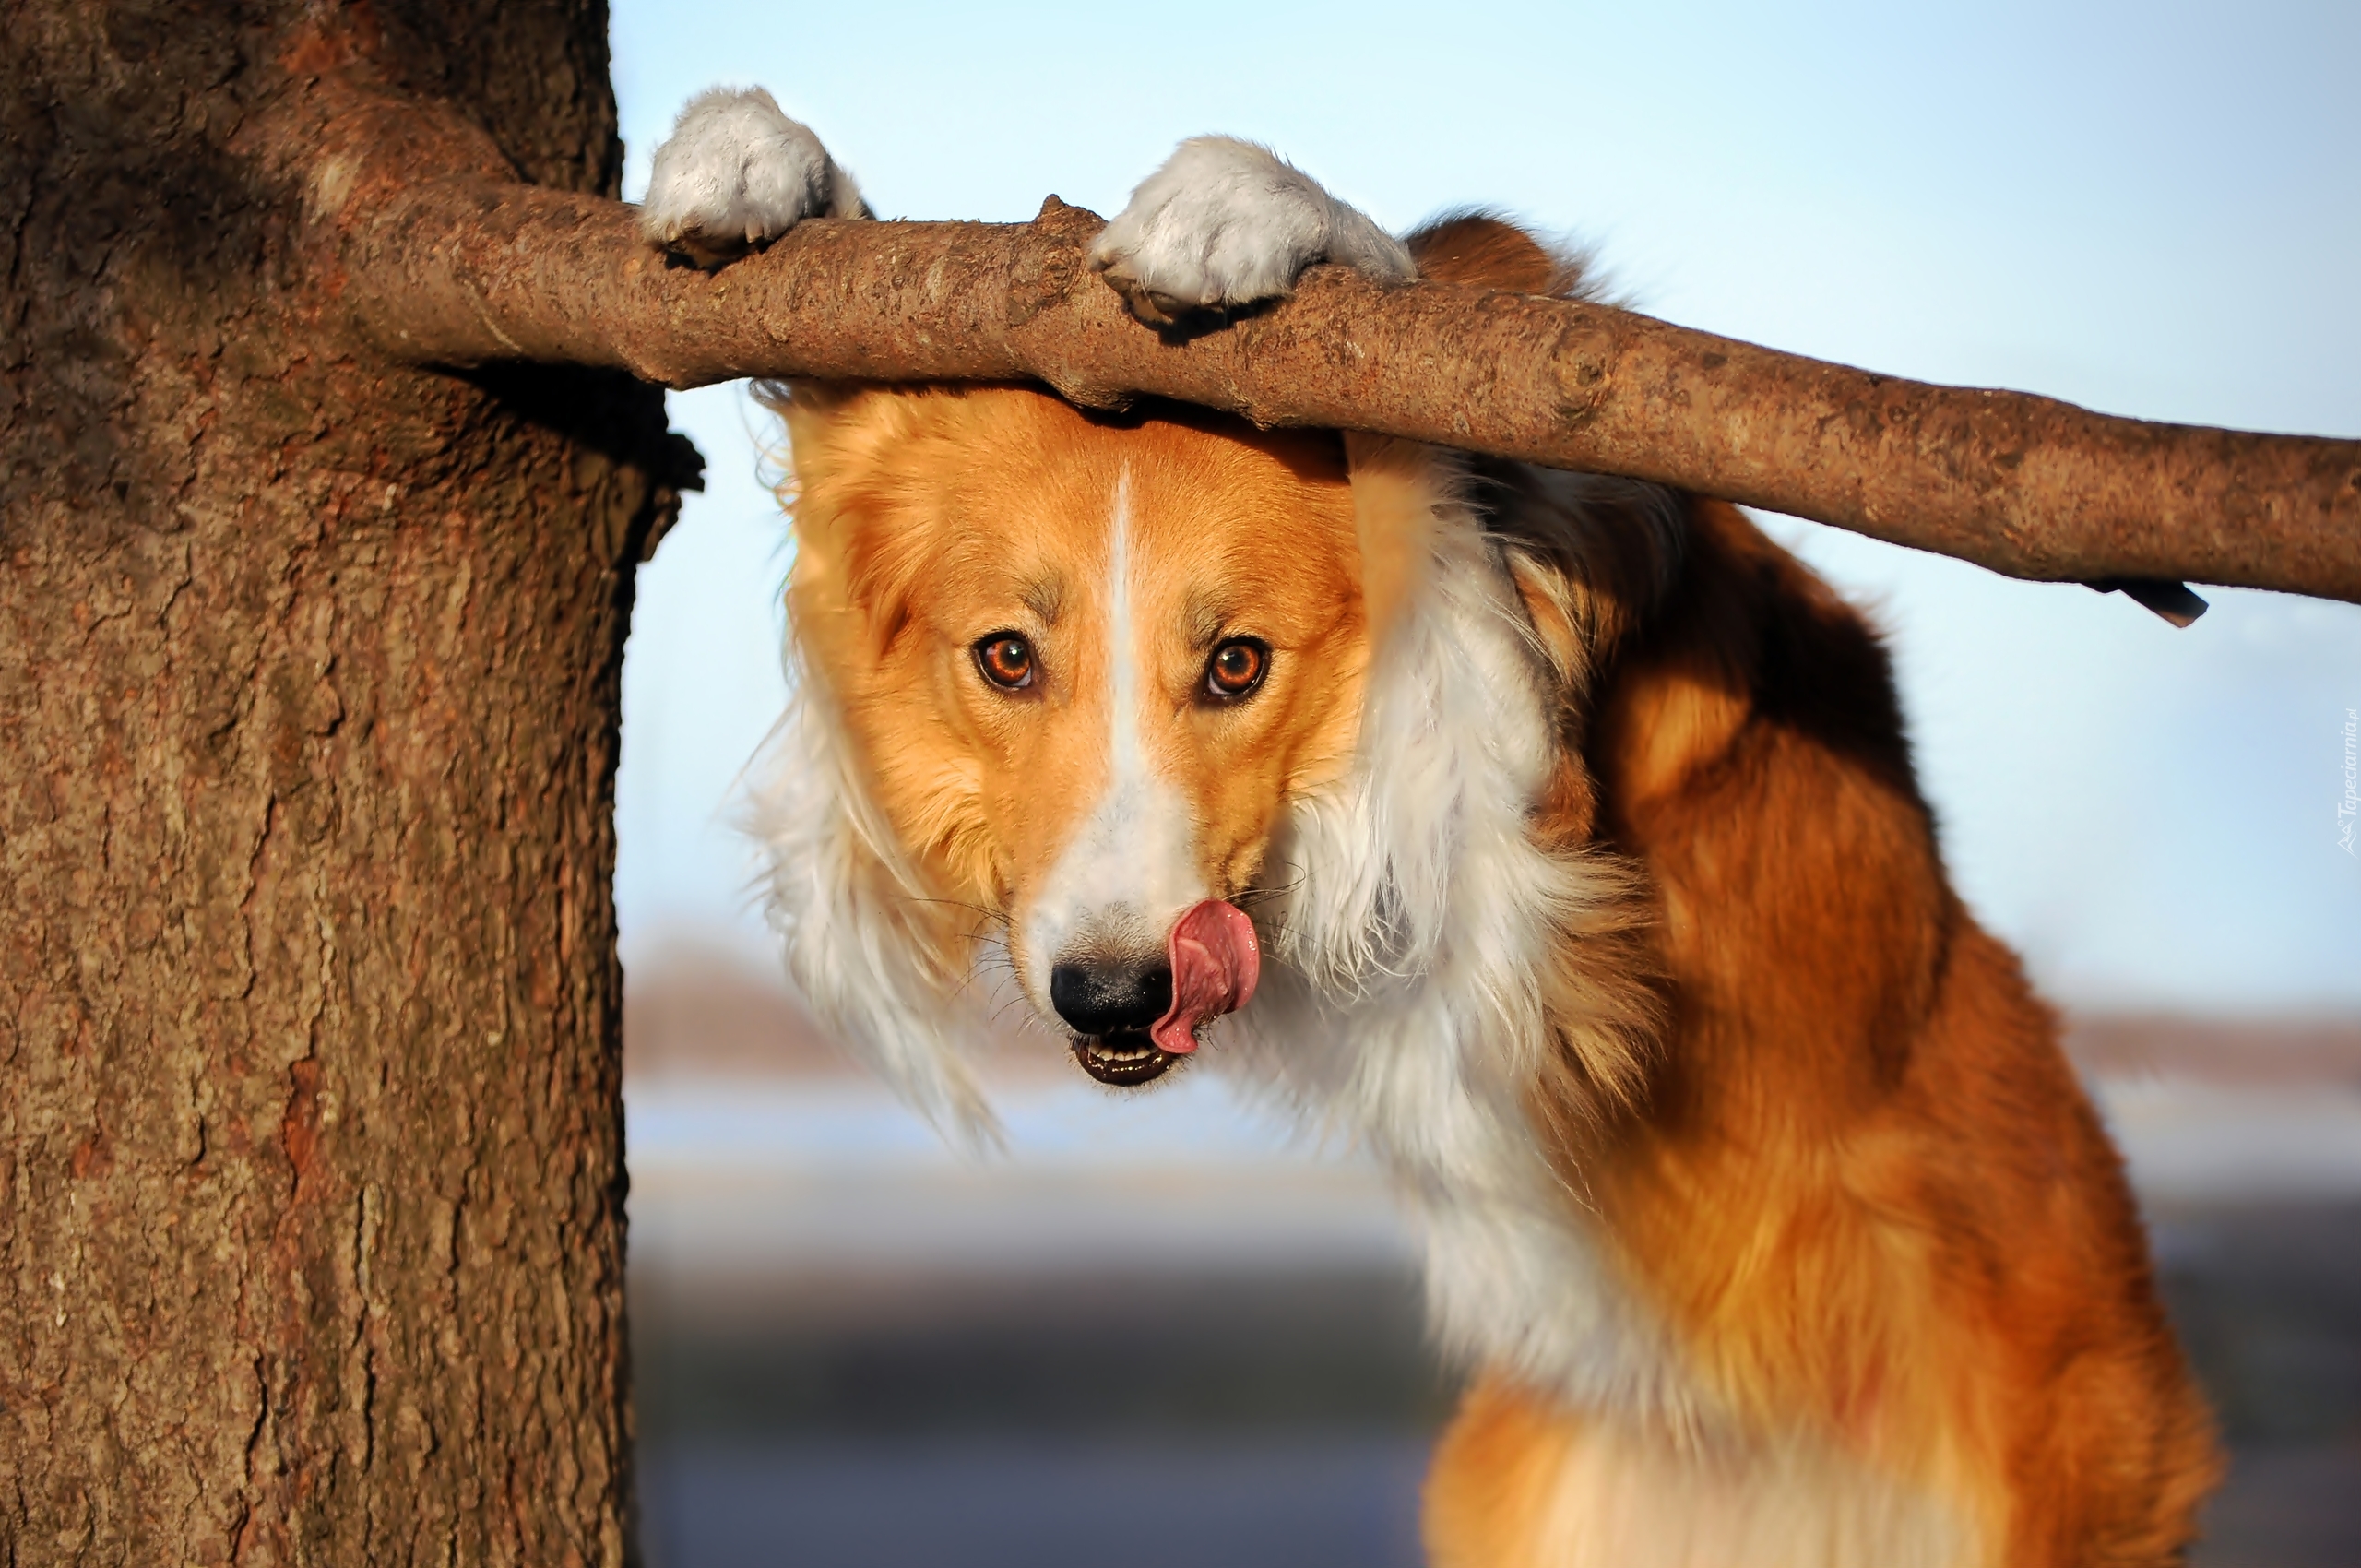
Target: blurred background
x,y
1157,1330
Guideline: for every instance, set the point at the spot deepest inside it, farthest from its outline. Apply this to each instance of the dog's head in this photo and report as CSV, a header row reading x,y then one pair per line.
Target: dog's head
x,y
1140,702
1082,666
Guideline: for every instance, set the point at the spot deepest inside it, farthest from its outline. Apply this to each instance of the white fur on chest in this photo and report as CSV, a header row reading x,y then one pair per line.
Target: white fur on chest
x,y
1617,1499
1406,1011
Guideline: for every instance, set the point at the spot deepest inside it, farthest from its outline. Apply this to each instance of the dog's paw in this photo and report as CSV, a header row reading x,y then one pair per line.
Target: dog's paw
x,y
1226,223
735,174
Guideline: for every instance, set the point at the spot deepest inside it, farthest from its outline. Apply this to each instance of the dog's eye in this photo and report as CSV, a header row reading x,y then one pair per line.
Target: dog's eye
x,y
1006,661
1236,668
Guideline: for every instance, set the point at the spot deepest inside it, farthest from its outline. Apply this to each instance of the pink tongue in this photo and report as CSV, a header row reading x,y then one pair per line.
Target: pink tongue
x,y
1215,964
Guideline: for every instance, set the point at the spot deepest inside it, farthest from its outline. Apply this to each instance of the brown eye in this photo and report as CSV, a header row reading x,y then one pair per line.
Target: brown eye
x,y
1006,661
1236,669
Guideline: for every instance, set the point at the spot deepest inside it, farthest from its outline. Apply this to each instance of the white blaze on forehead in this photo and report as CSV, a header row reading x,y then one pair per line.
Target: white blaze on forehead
x,y
1130,869
1126,757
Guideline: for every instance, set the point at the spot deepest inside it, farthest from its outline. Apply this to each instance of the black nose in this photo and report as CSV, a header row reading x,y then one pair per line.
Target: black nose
x,y
1107,998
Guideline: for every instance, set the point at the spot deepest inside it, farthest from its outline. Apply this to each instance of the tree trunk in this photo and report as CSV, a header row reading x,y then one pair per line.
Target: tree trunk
x,y
311,1223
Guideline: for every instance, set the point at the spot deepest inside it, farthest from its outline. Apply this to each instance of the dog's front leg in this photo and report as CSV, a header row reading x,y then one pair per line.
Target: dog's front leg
x,y
1226,224
735,174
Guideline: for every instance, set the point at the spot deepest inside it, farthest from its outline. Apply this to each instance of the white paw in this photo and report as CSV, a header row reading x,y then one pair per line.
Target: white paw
x,y
736,174
1225,223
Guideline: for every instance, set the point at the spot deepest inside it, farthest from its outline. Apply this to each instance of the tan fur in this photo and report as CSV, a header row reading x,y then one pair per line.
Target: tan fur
x,y
1854,1176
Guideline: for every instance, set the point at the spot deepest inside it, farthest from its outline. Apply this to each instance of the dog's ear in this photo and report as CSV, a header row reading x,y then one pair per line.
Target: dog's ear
x,y
1397,485
858,561
1487,251
821,419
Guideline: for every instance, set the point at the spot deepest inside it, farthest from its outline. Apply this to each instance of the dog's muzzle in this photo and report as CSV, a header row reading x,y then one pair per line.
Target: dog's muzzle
x,y
1132,1020
1111,1005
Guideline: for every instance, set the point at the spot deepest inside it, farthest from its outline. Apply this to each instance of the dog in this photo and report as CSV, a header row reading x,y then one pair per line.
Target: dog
x,y
1554,835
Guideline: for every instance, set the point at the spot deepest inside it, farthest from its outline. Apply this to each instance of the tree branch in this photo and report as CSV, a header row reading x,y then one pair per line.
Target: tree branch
x,y
462,271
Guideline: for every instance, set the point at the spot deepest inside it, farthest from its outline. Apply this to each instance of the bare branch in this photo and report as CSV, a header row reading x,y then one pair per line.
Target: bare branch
x,y
466,271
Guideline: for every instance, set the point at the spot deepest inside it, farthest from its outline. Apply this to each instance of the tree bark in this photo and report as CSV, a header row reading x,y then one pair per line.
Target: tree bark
x,y
310,1222
472,271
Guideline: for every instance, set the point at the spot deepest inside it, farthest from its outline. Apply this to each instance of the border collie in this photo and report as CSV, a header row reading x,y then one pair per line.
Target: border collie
x,y
1553,835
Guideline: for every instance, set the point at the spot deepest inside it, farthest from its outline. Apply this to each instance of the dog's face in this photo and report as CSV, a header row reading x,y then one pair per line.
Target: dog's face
x,y
1082,666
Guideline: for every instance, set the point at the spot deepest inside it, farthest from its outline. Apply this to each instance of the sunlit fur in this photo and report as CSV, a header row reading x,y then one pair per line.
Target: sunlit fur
x,y
1597,899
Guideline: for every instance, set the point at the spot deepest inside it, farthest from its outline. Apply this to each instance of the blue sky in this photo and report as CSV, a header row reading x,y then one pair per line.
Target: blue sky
x,y
2151,210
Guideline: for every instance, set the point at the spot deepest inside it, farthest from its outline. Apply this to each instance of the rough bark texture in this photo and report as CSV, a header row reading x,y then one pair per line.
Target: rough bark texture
x,y
471,272
310,1243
